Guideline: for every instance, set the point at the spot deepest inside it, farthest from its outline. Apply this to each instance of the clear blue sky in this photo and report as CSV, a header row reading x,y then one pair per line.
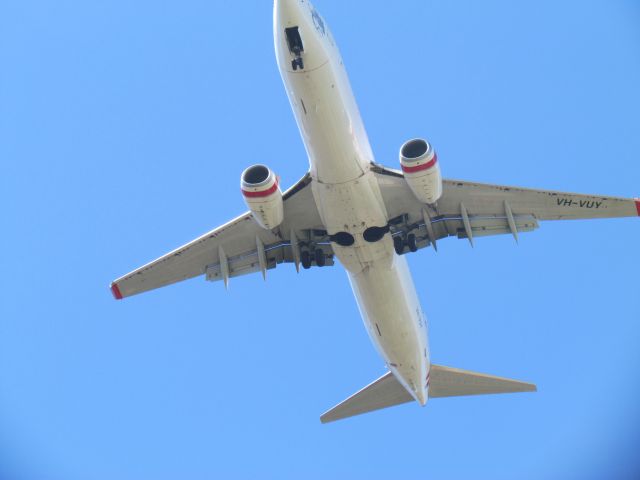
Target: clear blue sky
x,y
124,127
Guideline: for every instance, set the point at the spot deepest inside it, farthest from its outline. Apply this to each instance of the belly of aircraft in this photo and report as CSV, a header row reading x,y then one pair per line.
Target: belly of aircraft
x,y
348,210
392,314
352,210
379,277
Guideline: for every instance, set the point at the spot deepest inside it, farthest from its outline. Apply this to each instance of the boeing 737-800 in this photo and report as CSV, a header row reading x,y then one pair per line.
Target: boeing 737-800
x,y
366,215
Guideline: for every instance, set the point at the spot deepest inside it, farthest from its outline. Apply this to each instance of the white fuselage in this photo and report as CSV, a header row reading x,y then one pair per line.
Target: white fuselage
x,y
347,193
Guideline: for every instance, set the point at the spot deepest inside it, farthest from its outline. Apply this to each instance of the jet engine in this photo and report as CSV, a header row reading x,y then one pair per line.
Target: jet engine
x,y
419,163
262,195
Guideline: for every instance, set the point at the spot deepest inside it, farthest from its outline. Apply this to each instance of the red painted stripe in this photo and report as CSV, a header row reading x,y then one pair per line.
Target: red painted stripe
x,y
264,193
638,206
419,168
115,290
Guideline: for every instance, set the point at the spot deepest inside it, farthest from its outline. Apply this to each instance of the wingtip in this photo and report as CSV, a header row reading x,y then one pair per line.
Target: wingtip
x,y
637,200
115,291
327,418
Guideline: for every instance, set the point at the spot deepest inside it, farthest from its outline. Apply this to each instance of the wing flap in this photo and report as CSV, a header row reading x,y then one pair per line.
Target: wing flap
x,y
249,262
481,225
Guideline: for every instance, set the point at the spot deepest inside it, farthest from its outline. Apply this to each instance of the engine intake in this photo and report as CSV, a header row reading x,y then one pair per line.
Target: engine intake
x,y
262,195
419,163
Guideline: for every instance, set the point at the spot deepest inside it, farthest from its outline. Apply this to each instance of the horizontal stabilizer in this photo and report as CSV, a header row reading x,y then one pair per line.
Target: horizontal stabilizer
x,y
444,382
384,392
453,382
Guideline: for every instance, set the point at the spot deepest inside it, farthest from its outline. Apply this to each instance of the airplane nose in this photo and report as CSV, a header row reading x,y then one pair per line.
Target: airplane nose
x,y
286,8
300,43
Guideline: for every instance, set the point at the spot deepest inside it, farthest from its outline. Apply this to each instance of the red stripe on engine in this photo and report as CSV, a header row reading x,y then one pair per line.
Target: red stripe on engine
x,y
419,168
264,193
638,206
115,290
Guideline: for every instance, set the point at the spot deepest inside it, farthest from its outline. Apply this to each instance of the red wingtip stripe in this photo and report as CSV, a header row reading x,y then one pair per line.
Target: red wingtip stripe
x,y
638,206
115,290
419,168
264,193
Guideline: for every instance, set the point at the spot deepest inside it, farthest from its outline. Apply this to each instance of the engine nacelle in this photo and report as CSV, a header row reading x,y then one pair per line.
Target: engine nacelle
x,y
262,195
419,163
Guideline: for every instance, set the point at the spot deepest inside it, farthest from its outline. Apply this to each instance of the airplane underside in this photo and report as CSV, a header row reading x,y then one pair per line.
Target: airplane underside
x,y
367,216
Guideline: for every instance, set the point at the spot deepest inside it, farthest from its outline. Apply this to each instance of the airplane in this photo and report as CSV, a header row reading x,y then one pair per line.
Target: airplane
x,y
366,215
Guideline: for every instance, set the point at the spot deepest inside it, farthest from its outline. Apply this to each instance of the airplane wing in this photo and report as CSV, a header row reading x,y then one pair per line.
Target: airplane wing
x,y
470,209
236,248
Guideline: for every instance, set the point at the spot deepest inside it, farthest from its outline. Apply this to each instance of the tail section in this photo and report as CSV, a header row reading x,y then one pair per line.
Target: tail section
x,y
384,392
453,382
444,382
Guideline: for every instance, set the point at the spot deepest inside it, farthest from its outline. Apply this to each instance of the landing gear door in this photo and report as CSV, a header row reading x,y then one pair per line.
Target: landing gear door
x,y
296,47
